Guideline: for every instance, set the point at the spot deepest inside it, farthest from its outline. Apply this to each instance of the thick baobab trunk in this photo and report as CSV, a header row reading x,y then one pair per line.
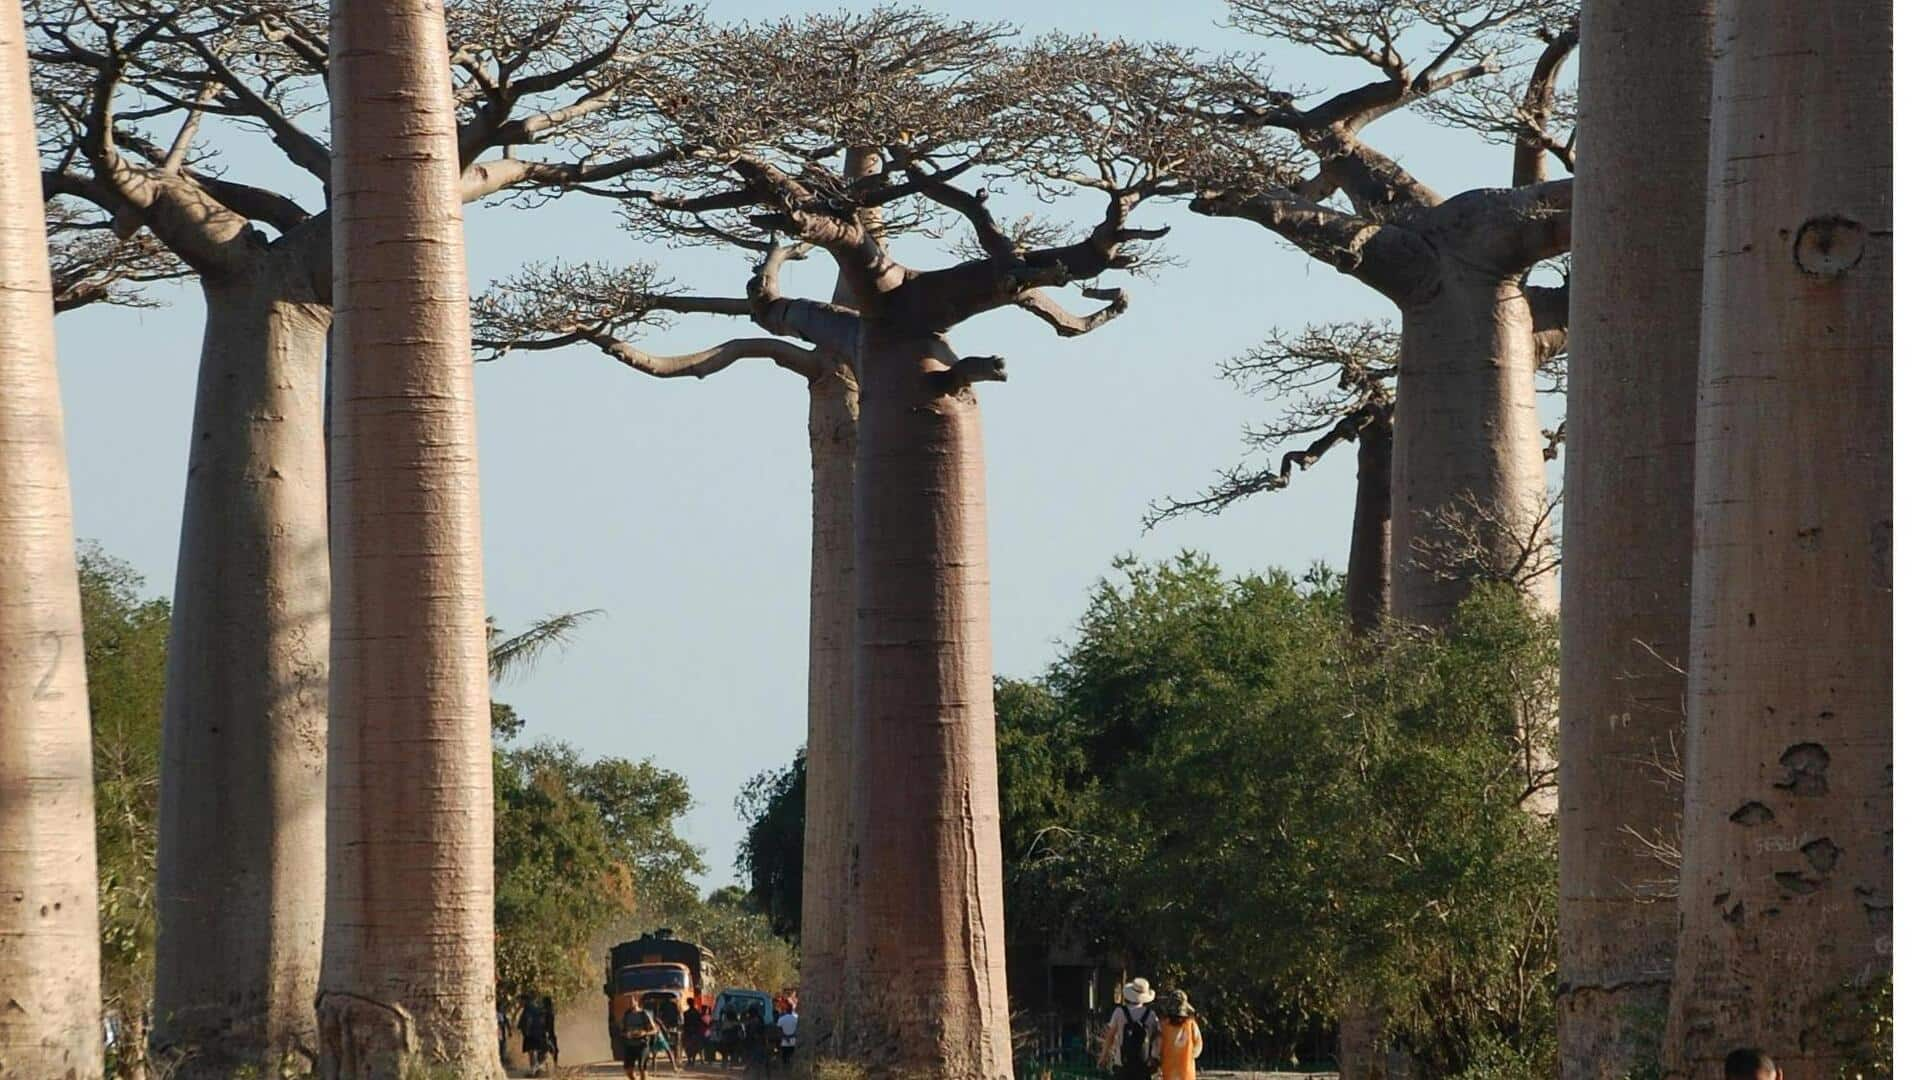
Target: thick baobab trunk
x,y
242,849
1644,85
1786,891
832,415
1369,552
407,973
49,895
927,986
1469,481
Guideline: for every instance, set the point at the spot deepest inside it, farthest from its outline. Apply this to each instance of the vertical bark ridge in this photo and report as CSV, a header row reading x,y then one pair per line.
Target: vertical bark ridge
x,y
1635,312
833,413
407,972
827,893
242,860
49,917
1786,891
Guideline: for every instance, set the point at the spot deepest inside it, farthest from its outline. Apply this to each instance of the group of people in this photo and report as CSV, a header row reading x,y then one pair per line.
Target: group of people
x,y
744,1034
539,1035
1143,1040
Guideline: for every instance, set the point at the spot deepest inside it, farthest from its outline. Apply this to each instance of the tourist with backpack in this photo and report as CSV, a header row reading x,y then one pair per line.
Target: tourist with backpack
x,y
1132,1033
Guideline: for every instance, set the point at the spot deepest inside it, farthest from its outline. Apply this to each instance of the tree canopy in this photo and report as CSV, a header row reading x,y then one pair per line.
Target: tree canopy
x,y
1275,814
126,649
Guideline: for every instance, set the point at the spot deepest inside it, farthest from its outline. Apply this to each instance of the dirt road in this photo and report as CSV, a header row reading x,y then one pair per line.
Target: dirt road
x,y
610,1069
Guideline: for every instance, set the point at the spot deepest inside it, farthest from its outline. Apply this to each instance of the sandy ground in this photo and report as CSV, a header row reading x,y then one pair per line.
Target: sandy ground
x,y
609,1069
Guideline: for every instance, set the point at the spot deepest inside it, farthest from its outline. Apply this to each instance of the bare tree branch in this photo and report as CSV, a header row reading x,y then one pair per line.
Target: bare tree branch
x,y
1471,541
966,371
1066,323
1388,257
1334,382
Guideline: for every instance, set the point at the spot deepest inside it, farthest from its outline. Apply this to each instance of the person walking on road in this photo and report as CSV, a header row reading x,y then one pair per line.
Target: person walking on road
x,y
1180,1043
1131,1037
638,1030
550,1022
789,1025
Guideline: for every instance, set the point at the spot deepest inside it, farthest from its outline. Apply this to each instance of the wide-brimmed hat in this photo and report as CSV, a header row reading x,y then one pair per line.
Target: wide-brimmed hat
x,y
1177,1005
1137,992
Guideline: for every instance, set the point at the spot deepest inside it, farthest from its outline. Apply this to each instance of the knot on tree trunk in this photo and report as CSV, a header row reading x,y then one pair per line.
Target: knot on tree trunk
x,y
363,1039
966,371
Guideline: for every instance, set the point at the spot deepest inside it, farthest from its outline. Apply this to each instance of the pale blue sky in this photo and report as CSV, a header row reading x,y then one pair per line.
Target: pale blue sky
x,y
681,508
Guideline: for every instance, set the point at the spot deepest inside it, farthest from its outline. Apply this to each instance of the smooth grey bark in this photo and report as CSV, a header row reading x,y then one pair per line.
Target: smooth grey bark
x,y
927,987
49,891
1786,886
826,892
406,978
241,882
1645,75
1467,442
1466,436
832,419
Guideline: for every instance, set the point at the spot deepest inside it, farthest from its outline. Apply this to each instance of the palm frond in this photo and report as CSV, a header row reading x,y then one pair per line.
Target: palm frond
x,y
511,656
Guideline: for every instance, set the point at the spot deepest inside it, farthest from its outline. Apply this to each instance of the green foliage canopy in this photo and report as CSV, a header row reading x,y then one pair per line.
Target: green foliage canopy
x,y
126,653
1221,781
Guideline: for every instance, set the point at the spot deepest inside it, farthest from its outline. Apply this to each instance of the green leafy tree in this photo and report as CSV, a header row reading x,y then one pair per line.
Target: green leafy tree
x,y
580,846
1274,814
557,878
1220,781
126,654
774,806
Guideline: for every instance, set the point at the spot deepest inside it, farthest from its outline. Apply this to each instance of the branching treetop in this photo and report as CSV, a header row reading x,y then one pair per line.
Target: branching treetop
x,y
946,116
1464,62
1335,385
131,92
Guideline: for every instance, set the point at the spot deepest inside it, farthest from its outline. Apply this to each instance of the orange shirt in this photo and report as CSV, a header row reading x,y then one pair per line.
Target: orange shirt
x,y
1180,1046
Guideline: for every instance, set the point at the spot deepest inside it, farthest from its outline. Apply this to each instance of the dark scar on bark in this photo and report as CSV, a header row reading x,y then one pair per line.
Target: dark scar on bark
x,y
1829,245
1751,813
1795,882
1806,765
1822,854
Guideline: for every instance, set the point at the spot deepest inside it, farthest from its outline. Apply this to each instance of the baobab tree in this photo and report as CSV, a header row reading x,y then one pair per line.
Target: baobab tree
x,y
548,308
926,969
882,56
1786,887
1334,385
49,924
1645,71
407,970
1465,419
885,56
138,103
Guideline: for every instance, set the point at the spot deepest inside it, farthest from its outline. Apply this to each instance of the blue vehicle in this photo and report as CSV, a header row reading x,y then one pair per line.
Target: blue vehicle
x,y
730,1011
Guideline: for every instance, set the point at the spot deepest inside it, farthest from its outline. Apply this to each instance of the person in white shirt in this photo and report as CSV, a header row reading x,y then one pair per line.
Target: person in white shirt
x,y
789,1025
1131,1040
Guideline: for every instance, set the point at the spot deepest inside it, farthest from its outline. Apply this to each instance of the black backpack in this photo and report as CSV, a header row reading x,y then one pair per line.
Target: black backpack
x,y
1133,1036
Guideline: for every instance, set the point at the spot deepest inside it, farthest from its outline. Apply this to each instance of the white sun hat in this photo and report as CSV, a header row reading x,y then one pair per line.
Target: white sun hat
x,y
1137,992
